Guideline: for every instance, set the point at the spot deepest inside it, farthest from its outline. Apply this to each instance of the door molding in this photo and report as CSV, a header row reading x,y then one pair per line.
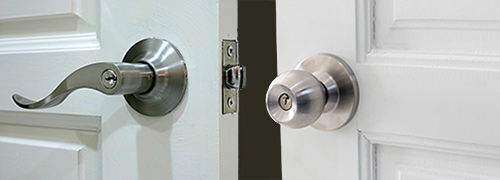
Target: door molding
x,y
379,35
371,145
52,120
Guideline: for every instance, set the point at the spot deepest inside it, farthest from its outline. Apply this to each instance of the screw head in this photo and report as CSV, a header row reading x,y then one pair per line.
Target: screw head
x,y
230,102
109,79
230,51
285,102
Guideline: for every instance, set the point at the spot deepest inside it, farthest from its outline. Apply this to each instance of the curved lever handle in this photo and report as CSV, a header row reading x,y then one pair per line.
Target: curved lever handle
x,y
152,77
108,78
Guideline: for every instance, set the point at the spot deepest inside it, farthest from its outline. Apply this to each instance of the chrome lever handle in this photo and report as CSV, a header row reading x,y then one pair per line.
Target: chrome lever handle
x,y
108,78
152,77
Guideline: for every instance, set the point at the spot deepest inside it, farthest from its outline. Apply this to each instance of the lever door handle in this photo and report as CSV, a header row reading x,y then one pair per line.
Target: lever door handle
x,y
108,78
322,92
152,77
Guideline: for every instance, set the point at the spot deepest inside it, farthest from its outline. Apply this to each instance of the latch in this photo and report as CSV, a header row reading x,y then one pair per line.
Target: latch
x,y
234,76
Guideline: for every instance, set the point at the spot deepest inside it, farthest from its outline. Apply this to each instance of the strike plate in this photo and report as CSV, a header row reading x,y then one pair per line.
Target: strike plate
x,y
229,58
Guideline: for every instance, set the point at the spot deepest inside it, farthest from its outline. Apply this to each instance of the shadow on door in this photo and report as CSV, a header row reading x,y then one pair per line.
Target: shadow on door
x,y
259,135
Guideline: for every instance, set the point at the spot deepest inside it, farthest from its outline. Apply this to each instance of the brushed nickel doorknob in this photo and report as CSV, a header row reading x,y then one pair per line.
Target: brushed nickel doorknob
x,y
322,92
152,77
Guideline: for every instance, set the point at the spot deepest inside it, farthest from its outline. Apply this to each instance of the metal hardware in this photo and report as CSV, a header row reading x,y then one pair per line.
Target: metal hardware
x,y
170,76
234,76
108,79
285,102
230,50
152,77
230,102
321,92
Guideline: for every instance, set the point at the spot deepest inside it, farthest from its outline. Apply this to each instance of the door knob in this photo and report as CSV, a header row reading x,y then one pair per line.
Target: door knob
x,y
322,92
152,77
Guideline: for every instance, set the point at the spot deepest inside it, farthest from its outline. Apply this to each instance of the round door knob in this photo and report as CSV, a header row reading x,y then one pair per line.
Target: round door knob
x,y
322,92
295,99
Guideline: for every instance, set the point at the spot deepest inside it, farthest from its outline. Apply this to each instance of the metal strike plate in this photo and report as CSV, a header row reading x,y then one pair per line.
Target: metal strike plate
x,y
229,59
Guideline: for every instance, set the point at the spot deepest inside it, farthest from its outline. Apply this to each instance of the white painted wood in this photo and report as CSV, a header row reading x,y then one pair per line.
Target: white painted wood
x,y
305,28
195,141
52,120
11,8
455,26
72,42
427,73
42,26
53,146
425,91
390,156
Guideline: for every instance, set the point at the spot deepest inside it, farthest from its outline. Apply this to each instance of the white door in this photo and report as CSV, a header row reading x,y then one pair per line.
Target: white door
x,y
428,73
96,136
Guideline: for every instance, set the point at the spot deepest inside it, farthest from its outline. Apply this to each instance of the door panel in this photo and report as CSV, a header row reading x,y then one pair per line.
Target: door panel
x,y
305,28
426,72
444,26
194,141
48,25
429,88
443,90
34,144
409,157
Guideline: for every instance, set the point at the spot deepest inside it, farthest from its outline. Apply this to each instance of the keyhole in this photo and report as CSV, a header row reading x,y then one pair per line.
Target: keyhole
x,y
111,78
108,79
285,102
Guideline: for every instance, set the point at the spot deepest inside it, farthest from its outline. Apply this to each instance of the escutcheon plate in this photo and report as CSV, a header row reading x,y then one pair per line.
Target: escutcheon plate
x,y
342,91
170,76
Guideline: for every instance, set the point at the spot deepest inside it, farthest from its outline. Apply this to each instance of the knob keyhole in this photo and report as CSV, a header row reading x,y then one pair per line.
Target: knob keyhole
x,y
285,102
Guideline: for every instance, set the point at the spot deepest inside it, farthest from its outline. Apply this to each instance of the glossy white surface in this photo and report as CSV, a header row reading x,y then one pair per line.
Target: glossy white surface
x,y
193,142
49,146
427,72
306,28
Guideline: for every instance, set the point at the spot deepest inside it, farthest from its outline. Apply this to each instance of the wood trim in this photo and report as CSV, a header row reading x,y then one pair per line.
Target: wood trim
x,y
52,120
370,141
369,54
84,41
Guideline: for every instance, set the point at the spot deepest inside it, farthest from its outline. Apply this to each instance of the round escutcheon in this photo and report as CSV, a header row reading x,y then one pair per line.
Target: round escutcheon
x,y
342,89
170,76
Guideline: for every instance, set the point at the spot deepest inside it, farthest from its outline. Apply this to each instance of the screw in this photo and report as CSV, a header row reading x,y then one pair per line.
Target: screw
x,y
109,79
230,102
285,101
230,50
